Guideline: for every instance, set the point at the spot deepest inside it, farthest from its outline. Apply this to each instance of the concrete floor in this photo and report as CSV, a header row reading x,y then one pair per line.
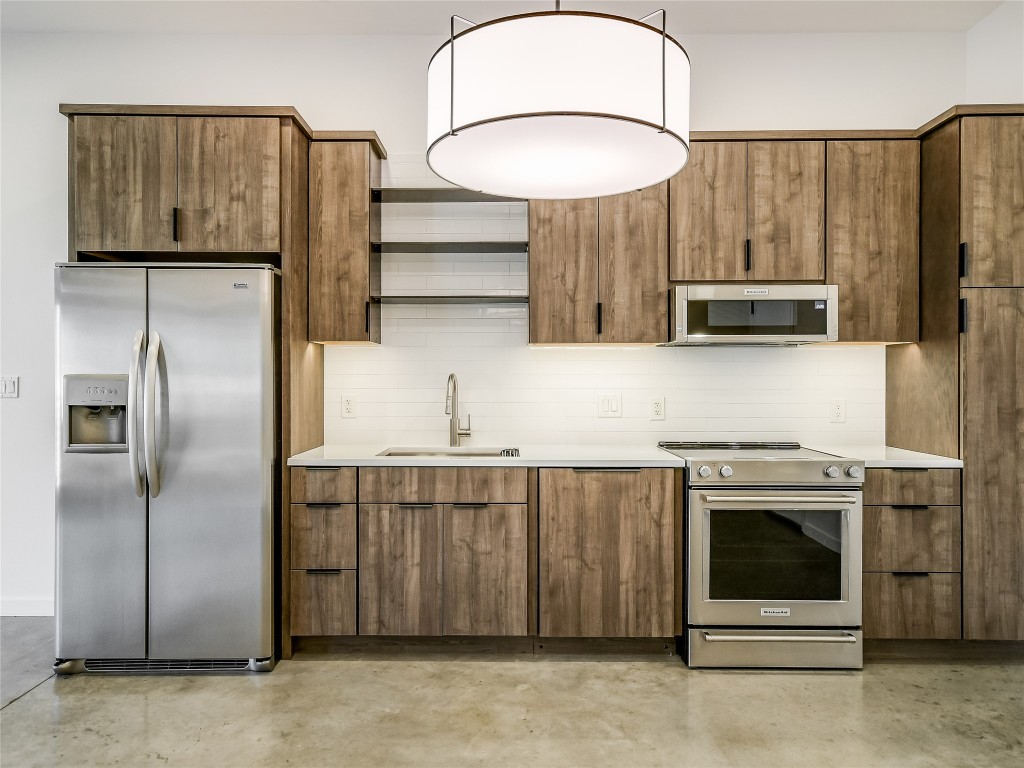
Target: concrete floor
x,y
516,710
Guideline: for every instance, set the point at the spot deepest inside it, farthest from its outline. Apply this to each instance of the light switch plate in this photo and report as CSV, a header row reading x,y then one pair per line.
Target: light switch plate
x,y
9,386
609,405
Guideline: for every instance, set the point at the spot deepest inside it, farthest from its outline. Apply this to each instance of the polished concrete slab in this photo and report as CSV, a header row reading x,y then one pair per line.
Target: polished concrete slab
x,y
523,710
26,654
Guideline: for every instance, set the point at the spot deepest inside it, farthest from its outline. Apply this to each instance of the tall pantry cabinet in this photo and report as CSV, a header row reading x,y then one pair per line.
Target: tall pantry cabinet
x,y
960,391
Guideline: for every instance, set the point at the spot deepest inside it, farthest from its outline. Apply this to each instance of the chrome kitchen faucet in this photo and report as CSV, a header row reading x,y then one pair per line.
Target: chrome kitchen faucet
x,y
451,405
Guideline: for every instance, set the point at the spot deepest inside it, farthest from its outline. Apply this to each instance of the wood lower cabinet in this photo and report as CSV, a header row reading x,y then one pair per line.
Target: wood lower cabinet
x,y
598,269
992,440
323,602
400,569
606,553
323,536
911,486
344,273
871,249
485,569
917,539
189,184
922,606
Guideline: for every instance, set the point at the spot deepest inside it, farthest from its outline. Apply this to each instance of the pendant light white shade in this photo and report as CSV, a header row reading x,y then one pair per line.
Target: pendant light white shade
x,y
558,105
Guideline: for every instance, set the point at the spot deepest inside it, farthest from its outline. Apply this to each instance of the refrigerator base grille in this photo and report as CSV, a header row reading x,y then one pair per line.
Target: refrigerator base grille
x,y
157,666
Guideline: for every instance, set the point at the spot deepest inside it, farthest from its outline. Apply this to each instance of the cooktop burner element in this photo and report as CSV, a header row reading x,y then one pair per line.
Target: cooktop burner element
x,y
763,464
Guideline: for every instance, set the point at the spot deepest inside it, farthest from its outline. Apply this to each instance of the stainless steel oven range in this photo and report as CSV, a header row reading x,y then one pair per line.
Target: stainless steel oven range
x,y
773,541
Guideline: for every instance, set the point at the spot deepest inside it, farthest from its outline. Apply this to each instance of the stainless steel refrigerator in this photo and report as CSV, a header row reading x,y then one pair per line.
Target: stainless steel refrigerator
x,y
165,467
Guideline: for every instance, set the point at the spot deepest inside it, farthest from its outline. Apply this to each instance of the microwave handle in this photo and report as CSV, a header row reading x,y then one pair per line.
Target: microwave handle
x,y
779,499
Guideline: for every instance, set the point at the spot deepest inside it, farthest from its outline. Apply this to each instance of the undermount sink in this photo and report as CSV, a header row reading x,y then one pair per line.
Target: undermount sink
x,y
452,453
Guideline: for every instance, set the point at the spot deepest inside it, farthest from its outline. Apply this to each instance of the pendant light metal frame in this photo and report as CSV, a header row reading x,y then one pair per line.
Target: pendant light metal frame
x,y
665,37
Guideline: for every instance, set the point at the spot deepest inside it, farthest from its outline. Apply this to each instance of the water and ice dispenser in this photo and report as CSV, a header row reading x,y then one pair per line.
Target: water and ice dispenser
x,y
96,413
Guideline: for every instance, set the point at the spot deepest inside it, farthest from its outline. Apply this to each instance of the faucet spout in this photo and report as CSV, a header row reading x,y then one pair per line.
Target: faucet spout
x,y
451,406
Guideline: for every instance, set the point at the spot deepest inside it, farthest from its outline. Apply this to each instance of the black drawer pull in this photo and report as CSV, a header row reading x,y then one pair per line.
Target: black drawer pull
x,y
323,571
911,574
414,506
910,469
470,504
909,506
322,469
324,504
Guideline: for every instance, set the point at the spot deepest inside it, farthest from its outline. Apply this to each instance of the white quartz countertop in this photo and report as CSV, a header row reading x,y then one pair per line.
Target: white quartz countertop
x,y
883,456
529,456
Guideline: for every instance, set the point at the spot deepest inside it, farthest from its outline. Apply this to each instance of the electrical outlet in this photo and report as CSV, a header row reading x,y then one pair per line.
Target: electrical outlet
x,y
609,405
658,409
348,406
837,412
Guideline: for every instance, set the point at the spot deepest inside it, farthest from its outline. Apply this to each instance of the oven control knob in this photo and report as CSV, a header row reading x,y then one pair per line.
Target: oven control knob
x,y
832,471
854,472
704,470
725,471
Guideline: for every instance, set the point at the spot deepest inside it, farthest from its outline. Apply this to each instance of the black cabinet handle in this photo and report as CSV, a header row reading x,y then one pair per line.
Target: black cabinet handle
x,y
367,316
962,266
909,506
469,505
599,317
322,571
176,224
911,574
910,469
748,261
961,319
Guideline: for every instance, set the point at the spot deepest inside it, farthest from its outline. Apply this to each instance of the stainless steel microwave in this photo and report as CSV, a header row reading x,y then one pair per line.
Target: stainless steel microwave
x,y
744,314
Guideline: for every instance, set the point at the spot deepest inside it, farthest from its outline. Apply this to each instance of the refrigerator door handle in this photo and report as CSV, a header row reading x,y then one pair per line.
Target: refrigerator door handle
x,y
138,478
149,415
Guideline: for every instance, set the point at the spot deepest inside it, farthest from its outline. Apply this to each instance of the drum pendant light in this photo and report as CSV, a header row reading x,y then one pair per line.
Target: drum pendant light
x,y
558,104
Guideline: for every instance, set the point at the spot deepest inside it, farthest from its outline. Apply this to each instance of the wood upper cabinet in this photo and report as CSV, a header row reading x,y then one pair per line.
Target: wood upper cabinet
x,y
786,210
632,268
992,444
749,211
563,271
124,183
343,273
598,268
606,553
399,569
872,238
708,213
992,200
187,184
229,183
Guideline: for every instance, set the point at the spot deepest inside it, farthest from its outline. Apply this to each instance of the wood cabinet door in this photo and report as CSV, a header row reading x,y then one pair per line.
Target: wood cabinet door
x,y
786,210
912,606
992,200
485,566
229,184
124,183
872,238
708,213
340,281
633,266
399,569
606,553
992,446
563,271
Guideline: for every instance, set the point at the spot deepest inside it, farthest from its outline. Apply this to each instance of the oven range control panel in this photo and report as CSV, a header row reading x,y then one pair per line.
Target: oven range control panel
x,y
840,472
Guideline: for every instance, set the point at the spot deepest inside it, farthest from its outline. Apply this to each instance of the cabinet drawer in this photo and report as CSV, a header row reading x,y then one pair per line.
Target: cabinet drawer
x,y
331,485
918,486
323,536
918,607
323,602
912,538
442,485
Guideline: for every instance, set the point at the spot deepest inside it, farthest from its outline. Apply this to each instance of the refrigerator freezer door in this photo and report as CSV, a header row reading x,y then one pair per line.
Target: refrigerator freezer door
x,y
101,522
210,527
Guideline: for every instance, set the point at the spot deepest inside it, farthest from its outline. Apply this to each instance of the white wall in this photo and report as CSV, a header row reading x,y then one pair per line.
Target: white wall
x,y
748,81
995,56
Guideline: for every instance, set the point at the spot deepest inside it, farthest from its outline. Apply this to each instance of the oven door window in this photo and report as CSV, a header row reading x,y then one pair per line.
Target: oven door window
x,y
757,554
757,318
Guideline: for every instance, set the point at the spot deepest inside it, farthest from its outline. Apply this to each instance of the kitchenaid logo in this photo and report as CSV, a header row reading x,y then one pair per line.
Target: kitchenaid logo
x,y
241,285
755,291
775,611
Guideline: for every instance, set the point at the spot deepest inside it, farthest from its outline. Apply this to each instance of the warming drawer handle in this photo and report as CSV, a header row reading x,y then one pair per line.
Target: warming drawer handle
x,y
843,637
780,499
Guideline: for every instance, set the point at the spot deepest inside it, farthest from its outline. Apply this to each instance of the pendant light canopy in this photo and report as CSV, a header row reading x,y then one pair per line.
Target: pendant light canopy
x,y
558,105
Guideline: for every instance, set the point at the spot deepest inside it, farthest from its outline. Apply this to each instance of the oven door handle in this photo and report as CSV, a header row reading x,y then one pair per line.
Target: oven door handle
x,y
778,499
839,637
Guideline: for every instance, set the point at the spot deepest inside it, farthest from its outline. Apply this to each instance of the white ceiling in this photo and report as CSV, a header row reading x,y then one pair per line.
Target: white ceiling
x,y
430,17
